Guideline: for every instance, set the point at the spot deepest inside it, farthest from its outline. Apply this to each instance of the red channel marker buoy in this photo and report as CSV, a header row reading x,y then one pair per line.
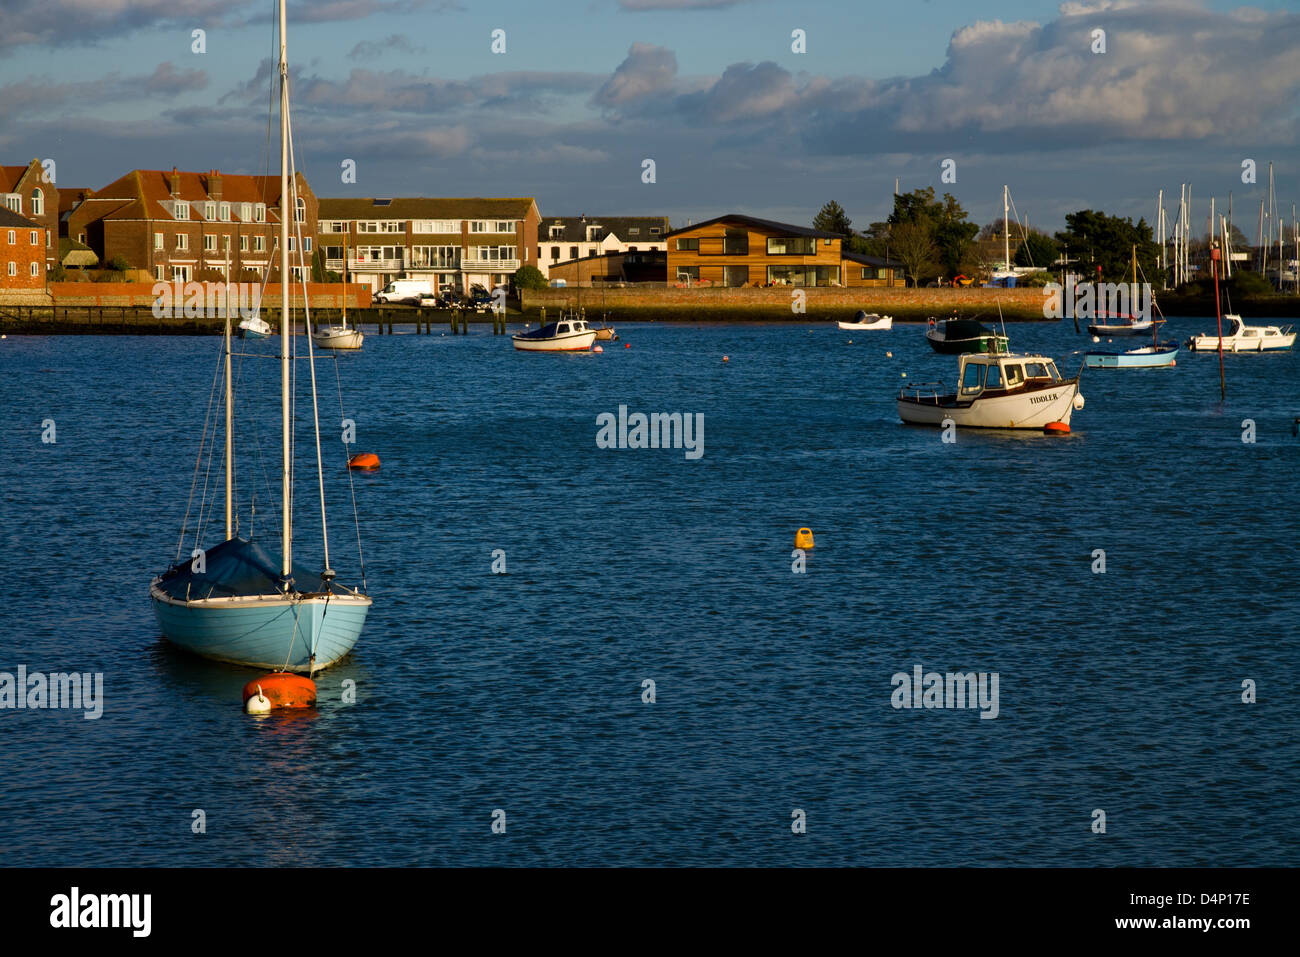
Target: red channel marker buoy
x,y
627,345
365,461
281,690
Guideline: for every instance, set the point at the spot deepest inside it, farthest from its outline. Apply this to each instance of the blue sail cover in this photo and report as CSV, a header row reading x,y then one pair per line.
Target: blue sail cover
x,y
237,567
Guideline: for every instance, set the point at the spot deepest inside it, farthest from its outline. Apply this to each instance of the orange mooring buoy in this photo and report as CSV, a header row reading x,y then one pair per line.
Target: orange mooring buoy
x,y
803,538
1056,428
365,461
282,690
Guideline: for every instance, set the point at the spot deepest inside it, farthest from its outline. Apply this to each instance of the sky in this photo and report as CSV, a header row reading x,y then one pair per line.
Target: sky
x,y
580,93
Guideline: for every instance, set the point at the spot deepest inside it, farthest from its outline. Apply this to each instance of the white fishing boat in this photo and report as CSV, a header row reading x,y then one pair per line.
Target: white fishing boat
x,y
867,322
254,327
563,335
995,391
1240,337
239,600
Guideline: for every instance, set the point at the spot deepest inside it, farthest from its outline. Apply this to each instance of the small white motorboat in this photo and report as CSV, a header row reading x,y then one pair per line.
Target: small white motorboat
x,y
867,322
337,336
995,391
254,327
1243,338
563,335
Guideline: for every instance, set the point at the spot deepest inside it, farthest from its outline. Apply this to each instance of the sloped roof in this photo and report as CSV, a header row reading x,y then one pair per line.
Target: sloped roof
x,y
427,207
575,228
145,190
11,175
11,220
871,260
767,224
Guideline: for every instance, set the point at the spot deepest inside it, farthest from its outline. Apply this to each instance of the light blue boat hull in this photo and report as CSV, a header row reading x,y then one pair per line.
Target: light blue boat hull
x,y
1128,360
267,634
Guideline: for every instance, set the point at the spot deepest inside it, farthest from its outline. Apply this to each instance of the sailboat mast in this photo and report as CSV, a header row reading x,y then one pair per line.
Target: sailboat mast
x,y
230,415
1006,231
286,330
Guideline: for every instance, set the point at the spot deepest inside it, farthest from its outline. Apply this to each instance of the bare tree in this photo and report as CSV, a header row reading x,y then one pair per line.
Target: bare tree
x,y
912,245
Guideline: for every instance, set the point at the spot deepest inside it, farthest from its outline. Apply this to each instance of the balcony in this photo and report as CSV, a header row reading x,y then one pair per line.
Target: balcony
x,y
365,265
489,265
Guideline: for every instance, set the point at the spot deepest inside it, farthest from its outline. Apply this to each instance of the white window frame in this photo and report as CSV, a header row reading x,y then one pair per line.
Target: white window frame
x,y
209,242
181,209
245,212
159,242
36,270
224,212
182,240
259,213
38,202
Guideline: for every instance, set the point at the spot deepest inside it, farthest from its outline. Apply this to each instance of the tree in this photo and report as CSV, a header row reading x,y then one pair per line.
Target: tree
x,y
318,265
529,277
119,263
943,220
833,219
1095,239
912,245
1038,250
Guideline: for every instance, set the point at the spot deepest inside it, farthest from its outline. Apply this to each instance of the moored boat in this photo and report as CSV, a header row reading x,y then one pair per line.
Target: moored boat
x,y
563,335
1129,326
237,601
1147,357
959,336
255,327
337,336
1243,338
995,391
867,322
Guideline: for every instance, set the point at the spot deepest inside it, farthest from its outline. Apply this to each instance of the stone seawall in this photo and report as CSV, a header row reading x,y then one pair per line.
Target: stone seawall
x,y
776,303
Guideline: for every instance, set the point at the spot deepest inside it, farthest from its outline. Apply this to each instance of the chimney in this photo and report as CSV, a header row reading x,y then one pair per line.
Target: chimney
x,y
175,181
214,185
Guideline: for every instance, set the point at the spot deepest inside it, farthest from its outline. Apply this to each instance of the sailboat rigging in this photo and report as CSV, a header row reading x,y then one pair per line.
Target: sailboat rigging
x,y
240,601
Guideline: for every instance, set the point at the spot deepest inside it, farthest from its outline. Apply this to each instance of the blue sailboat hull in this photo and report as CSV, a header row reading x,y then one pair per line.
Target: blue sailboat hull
x,y
268,632
1130,360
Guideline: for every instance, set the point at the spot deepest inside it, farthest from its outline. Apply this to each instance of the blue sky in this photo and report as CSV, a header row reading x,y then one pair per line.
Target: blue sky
x,y
709,89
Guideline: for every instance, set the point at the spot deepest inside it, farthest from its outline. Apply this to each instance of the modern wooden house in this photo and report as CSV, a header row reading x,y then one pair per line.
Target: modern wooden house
x,y
862,270
736,250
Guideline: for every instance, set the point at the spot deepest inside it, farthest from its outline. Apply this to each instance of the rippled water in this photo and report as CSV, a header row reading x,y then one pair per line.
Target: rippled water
x,y
1119,691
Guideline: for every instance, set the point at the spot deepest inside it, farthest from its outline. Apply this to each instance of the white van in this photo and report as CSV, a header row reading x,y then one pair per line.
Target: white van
x,y
405,290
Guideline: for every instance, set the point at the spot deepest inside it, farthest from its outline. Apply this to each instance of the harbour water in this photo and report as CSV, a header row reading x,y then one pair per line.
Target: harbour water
x,y
523,692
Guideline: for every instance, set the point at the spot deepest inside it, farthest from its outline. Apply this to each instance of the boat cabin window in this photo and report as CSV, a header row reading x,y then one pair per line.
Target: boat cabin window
x,y
994,378
1037,370
972,378
562,327
1015,375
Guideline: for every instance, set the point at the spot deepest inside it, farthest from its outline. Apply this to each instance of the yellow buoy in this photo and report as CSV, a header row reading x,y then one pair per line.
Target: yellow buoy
x,y
803,538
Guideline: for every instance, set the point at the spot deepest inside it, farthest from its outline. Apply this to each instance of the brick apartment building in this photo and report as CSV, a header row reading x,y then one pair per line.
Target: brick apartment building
x,y
22,252
566,238
26,191
184,225
456,243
